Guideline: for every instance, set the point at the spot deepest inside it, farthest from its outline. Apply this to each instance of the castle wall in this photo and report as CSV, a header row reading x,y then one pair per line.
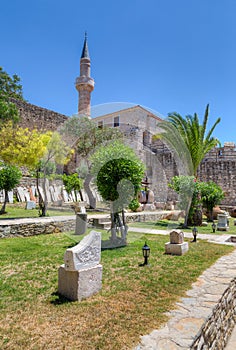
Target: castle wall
x,y
219,166
34,117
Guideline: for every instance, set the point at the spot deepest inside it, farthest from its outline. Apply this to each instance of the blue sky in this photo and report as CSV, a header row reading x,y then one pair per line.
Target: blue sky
x,y
167,55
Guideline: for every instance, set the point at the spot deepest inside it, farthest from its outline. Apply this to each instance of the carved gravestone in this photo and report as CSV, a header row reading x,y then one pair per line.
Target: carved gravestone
x,y
30,205
176,246
81,275
176,237
223,222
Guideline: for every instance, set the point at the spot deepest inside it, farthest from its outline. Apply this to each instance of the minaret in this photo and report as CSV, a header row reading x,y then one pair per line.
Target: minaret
x,y
84,83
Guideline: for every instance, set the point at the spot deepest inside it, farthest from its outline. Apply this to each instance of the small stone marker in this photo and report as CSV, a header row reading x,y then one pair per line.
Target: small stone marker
x,y
10,196
30,205
81,275
223,222
81,219
176,246
176,237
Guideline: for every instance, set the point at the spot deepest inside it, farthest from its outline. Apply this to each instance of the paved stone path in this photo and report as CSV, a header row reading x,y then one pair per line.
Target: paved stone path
x,y
192,311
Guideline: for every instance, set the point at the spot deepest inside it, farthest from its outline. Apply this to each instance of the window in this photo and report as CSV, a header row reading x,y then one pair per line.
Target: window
x,y
100,124
116,121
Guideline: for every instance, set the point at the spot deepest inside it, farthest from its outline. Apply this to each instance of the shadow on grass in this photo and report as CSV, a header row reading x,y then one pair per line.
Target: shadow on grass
x,y
168,224
59,299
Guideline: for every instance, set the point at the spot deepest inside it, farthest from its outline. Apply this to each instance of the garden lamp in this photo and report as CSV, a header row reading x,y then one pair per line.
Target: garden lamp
x,y
194,231
213,227
146,253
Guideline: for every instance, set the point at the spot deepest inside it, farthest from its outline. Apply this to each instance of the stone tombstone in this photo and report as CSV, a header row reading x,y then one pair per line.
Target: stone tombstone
x,y
223,222
81,218
10,197
176,246
30,205
81,275
26,194
52,193
20,194
176,237
65,196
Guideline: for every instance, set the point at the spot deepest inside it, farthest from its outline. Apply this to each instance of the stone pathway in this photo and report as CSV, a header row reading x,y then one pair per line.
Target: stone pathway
x,y
193,310
220,239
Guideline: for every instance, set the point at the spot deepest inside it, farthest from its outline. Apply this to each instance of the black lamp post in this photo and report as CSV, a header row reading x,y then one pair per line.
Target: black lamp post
x,y
213,227
194,231
146,253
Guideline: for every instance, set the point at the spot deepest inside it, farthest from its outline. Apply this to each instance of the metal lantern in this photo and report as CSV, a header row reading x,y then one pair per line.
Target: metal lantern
x,y
194,231
213,227
146,253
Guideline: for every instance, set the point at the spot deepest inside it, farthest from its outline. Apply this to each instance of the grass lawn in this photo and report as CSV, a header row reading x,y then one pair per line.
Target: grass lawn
x,y
168,225
18,210
132,301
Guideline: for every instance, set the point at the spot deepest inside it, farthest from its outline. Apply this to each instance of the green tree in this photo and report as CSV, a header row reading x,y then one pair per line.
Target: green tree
x,y
86,137
8,112
9,177
58,152
188,191
194,135
10,87
72,182
118,174
211,195
189,141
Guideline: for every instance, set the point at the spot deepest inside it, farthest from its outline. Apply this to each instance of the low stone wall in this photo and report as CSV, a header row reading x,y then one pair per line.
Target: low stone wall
x,y
215,333
26,229
146,216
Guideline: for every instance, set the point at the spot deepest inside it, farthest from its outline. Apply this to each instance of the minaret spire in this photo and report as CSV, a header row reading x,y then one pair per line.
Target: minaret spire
x,y
85,52
84,83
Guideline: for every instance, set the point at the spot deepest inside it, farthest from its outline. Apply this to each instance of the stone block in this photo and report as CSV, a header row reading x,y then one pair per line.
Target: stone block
x,y
176,249
78,285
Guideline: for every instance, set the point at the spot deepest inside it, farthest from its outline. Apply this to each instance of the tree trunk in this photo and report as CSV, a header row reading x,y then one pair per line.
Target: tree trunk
x,y
6,199
92,199
186,218
45,201
42,202
119,228
81,195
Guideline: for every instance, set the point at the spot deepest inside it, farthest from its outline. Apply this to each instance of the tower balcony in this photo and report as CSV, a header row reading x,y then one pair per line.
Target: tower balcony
x,y
83,80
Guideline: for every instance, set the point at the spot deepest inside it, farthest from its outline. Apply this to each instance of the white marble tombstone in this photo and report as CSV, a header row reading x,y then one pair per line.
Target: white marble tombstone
x,y
81,274
223,222
10,197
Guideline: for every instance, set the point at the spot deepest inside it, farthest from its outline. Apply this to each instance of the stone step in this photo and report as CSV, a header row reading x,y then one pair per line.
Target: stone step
x,y
103,223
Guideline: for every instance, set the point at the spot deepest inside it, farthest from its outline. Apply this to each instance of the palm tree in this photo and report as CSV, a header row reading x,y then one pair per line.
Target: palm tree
x,y
194,136
189,141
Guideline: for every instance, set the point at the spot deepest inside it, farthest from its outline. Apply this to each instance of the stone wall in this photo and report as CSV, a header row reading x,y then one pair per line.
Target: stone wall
x,y
34,117
219,166
215,333
36,227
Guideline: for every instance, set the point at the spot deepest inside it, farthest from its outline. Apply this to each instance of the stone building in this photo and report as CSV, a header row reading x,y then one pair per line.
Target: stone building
x,y
139,125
